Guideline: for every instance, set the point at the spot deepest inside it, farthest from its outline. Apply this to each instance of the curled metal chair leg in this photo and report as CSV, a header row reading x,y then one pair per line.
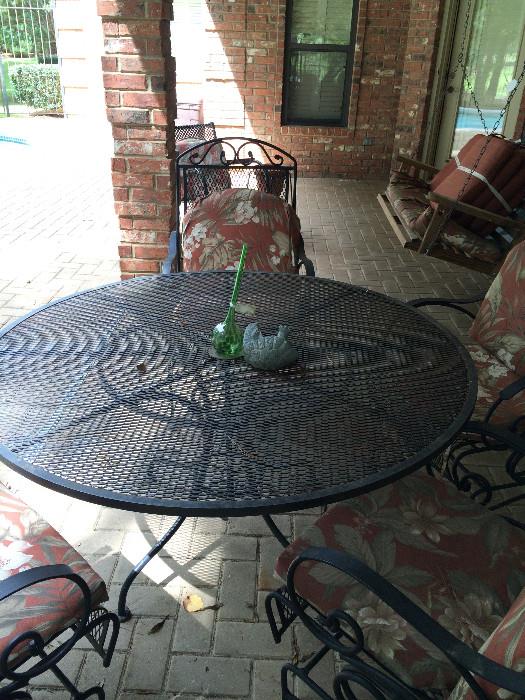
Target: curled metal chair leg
x,y
93,624
97,630
379,685
289,671
280,613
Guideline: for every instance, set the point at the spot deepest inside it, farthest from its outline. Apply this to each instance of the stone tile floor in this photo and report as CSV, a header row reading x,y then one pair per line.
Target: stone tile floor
x,y
57,235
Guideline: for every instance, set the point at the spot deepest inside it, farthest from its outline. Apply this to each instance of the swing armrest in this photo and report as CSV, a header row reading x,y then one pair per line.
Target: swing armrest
x,y
497,219
411,163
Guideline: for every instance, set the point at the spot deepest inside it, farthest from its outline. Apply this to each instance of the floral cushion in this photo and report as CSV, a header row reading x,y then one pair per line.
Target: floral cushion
x,y
506,646
493,376
28,541
215,229
408,197
499,325
460,563
470,244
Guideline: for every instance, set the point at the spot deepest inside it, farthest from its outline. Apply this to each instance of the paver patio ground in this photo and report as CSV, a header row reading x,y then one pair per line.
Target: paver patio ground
x,y
58,235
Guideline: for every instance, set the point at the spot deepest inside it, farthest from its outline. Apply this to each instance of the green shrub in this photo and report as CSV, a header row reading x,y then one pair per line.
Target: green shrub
x,y
37,86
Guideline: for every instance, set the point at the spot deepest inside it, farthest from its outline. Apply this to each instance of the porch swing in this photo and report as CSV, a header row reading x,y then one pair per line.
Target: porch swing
x,y
467,212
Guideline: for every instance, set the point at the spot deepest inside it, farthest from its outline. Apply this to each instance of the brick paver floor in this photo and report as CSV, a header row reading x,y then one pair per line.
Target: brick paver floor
x,y
58,229
57,235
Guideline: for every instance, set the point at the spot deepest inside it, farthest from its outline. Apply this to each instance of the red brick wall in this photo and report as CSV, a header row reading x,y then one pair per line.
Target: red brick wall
x,y
136,67
251,37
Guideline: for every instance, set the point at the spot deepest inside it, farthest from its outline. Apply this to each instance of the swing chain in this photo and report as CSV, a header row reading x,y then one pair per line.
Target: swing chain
x,y
461,54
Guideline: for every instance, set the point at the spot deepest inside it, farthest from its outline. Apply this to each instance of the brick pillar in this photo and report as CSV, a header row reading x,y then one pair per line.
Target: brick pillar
x,y
424,26
139,78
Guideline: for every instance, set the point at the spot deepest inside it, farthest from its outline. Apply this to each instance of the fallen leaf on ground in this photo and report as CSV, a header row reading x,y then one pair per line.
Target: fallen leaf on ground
x,y
295,652
193,603
158,626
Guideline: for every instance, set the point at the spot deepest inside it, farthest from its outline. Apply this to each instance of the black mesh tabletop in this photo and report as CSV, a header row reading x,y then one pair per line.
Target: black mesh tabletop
x,y
111,395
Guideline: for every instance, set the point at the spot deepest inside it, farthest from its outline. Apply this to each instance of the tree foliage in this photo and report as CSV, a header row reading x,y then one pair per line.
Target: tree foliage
x,y
37,86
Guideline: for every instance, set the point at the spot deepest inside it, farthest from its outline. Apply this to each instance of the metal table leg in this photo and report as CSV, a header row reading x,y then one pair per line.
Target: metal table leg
x,y
124,612
275,531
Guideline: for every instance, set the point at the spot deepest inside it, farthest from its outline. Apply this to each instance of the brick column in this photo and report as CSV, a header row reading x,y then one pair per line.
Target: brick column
x,y
424,26
139,76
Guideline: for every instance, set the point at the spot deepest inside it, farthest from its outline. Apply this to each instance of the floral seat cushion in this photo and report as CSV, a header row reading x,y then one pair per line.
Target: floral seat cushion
x,y
493,376
215,229
506,646
456,560
499,325
408,197
28,541
470,244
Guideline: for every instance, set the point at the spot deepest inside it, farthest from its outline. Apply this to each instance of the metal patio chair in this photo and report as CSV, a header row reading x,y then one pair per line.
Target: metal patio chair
x,y
497,343
49,590
418,589
232,188
497,346
203,132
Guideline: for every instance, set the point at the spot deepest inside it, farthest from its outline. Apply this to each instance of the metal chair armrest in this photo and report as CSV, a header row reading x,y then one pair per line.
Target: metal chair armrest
x,y
504,395
462,656
449,303
303,260
512,389
512,441
24,579
308,266
38,574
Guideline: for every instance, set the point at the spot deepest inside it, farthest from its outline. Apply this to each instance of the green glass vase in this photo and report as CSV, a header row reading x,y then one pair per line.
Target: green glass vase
x,y
227,337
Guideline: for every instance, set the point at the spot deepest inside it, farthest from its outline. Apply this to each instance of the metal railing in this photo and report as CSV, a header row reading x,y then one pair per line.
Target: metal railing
x,y
27,30
27,34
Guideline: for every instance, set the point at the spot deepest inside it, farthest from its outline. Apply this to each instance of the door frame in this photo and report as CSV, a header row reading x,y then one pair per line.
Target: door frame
x,y
443,65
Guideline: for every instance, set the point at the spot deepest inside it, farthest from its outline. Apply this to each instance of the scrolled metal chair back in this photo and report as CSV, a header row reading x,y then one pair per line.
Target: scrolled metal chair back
x,y
237,162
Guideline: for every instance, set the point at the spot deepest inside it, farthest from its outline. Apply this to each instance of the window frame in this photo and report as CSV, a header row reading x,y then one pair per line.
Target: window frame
x,y
290,46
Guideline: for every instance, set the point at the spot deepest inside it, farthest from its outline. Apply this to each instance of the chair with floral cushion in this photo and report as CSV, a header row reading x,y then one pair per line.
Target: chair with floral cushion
x,y
46,589
497,346
420,590
234,190
497,343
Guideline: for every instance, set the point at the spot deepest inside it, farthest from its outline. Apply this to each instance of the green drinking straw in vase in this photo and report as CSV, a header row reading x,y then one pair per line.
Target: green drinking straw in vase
x,y
227,337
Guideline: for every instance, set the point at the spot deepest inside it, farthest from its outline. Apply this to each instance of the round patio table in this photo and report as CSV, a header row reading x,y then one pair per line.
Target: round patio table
x,y
111,396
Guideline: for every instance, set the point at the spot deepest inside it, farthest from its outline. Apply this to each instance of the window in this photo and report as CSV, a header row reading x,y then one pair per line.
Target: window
x,y
318,60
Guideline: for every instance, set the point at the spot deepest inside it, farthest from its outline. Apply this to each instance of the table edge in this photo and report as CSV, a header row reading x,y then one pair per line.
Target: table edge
x,y
260,506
